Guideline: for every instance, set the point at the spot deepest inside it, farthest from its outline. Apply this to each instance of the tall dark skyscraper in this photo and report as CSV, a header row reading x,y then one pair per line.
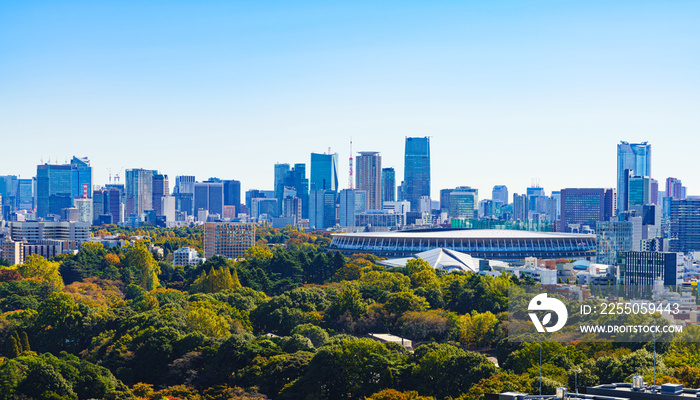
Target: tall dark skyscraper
x,y
296,178
209,196
584,206
232,194
161,188
416,181
388,184
633,159
324,172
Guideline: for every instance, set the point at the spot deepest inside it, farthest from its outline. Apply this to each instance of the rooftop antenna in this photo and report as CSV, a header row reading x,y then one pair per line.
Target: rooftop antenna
x,y
350,176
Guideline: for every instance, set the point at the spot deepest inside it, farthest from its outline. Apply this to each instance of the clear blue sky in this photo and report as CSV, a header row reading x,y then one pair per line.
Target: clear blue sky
x,y
508,90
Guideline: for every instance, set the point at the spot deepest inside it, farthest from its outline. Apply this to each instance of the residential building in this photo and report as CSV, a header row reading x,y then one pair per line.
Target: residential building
x,y
228,239
13,251
368,177
139,192
186,256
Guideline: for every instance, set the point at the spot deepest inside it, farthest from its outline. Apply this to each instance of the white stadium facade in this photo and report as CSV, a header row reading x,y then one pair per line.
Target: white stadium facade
x,y
490,244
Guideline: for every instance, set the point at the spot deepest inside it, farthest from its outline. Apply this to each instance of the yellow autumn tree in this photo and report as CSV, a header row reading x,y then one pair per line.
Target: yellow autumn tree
x,y
217,280
208,322
36,266
477,329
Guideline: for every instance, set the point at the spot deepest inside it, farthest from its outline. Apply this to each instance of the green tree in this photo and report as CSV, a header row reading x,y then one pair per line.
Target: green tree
x,y
316,334
349,300
141,268
401,302
11,347
25,341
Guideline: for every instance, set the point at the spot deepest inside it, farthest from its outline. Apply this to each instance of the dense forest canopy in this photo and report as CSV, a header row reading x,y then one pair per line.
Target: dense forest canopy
x,y
287,321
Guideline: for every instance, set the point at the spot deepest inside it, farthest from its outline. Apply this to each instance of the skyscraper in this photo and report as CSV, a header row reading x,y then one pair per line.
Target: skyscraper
x,y
416,170
324,172
368,177
54,189
321,209
139,191
685,225
232,194
674,188
633,159
638,191
352,202
161,188
81,176
388,184
582,206
209,196
184,194
25,194
500,194
281,171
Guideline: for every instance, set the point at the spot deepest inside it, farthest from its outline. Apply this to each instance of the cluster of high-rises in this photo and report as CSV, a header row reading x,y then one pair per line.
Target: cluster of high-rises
x,y
635,215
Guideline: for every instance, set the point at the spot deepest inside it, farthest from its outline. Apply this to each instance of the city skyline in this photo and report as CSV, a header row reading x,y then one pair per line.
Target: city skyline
x,y
214,88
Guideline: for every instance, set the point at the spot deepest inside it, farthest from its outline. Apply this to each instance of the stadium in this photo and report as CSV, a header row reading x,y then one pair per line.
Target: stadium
x,y
490,244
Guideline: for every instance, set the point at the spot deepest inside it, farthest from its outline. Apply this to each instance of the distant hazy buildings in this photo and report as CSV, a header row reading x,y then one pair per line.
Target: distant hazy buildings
x,y
500,194
228,239
368,177
416,181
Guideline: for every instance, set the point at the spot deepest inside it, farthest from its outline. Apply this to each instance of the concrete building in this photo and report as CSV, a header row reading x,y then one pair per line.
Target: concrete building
x,y
35,231
185,256
13,251
228,239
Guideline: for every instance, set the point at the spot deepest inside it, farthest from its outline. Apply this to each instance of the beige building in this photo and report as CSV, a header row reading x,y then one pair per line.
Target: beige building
x,y
13,252
228,239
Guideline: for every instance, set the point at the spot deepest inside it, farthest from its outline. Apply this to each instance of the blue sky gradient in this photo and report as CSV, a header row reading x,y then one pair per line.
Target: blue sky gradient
x,y
508,91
